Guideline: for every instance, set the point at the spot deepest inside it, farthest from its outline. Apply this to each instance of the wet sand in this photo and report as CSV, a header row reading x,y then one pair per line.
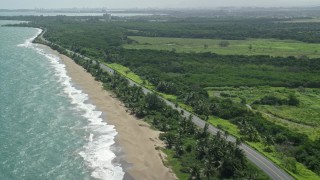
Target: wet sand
x,y
136,140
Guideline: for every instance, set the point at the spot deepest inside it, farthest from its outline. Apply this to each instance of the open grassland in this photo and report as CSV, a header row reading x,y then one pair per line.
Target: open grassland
x,y
270,47
304,118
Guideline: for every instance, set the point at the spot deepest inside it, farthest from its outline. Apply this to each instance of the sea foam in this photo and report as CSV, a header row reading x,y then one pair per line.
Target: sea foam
x,y
97,152
28,42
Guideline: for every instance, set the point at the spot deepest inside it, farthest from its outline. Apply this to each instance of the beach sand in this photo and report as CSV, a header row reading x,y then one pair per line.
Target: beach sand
x,y
136,139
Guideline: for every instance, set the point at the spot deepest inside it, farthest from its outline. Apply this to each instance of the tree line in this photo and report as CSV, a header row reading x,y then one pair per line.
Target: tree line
x,y
185,75
201,155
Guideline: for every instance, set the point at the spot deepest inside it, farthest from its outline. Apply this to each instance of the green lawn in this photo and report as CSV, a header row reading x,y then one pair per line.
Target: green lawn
x,y
304,118
271,47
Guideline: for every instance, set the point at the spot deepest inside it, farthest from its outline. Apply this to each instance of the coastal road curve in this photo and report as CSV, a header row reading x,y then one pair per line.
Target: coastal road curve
x,y
271,169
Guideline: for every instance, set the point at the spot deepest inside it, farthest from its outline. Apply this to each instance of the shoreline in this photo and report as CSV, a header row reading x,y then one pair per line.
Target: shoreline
x,y
135,144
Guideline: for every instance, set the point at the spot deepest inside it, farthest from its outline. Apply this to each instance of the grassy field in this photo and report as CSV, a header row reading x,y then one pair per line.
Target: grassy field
x,y
304,118
131,75
270,47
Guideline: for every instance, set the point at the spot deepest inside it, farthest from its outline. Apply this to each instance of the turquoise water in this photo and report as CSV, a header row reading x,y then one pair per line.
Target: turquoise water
x,y
48,130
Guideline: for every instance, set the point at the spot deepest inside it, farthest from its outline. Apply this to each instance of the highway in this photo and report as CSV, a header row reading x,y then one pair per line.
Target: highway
x,y
271,169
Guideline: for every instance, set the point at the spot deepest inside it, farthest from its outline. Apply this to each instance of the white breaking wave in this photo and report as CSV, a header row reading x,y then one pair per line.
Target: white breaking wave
x,y
28,42
96,152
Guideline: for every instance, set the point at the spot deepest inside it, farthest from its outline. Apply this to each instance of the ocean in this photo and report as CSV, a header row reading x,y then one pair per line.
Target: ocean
x,y
48,128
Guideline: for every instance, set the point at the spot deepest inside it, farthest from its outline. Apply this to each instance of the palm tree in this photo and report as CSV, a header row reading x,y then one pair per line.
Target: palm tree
x,y
238,142
208,169
226,134
178,147
195,173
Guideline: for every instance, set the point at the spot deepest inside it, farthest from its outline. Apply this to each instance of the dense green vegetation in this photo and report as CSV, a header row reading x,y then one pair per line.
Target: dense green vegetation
x,y
303,118
186,70
276,101
186,75
196,153
228,28
272,47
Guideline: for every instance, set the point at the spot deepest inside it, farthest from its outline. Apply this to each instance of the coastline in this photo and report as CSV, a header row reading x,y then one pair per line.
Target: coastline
x,y
136,142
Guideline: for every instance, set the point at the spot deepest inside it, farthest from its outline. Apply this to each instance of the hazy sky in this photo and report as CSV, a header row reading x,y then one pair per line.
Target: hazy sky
x,y
27,4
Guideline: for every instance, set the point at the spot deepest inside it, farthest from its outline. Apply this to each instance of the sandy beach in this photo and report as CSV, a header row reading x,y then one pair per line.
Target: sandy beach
x,y
136,139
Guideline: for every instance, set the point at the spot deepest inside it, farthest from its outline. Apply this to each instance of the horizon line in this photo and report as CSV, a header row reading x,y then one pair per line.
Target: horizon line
x,y
160,8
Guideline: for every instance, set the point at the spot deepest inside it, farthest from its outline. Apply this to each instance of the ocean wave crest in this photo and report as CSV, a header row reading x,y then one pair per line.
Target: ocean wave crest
x,y
28,42
97,152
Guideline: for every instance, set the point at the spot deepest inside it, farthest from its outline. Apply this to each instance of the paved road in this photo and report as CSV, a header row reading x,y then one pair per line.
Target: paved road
x,y
272,170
